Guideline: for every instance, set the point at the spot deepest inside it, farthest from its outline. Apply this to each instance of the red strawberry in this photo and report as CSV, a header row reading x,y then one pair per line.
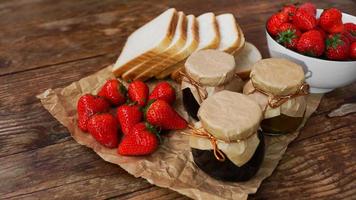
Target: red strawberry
x,y
141,141
331,21
275,21
87,106
337,47
138,92
114,92
311,43
321,31
290,10
350,31
163,91
353,51
128,116
103,127
304,20
288,35
161,114
309,8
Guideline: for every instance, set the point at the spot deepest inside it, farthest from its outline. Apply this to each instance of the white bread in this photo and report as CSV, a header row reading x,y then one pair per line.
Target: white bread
x,y
191,45
176,44
229,34
209,38
167,58
248,56
146,42
242,40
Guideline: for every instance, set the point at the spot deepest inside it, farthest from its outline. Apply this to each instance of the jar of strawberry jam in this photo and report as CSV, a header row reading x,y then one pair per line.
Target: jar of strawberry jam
x,y
226,143
205,73
279,88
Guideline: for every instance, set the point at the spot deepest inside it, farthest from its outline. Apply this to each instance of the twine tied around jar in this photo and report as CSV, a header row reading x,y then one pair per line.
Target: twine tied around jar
x,y
275,101
202,93
202,133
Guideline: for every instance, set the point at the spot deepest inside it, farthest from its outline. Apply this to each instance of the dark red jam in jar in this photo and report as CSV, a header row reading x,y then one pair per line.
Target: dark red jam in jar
x,y
231,120
227,170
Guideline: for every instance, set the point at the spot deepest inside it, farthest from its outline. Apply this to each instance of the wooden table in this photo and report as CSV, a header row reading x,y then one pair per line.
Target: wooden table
x,y
47,44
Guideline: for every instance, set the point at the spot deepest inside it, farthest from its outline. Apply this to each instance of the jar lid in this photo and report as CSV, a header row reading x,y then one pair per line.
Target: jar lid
x,y
230,116
210,67
277,76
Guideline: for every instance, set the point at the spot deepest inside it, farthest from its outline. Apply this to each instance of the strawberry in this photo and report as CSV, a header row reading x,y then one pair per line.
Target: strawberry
x,y
350,31
337,47
322,32
353,51
311,43
138,92
289,9
103,127
288,35
275,21
87,106
128,116
163,91
114,92
309,8
161,114
331,21
141,141
304,20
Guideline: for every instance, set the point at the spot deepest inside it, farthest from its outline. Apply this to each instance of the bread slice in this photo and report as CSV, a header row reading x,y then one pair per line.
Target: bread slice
x,y
149,69
242,40
229,34
209,37
146,42
191,45
244,60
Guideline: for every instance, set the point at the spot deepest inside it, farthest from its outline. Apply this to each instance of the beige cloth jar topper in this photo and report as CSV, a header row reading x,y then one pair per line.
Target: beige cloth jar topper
x,y
232,119
210,71
278,86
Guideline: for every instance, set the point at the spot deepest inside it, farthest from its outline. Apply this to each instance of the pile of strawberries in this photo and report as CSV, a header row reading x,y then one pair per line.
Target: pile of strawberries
x,y
138,120
297,28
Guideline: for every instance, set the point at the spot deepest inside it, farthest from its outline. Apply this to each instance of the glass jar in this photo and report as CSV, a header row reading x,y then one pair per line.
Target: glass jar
x,y
205,73
233,148
279,88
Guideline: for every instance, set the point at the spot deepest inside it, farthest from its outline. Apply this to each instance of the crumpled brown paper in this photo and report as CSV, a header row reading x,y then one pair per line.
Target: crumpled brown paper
x,y
171,166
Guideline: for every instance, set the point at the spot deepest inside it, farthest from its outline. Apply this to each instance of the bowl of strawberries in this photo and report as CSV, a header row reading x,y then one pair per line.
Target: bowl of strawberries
x,y
323,41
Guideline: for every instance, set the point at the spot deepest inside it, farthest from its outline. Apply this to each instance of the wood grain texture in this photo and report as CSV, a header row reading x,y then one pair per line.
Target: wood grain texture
x,y
47,43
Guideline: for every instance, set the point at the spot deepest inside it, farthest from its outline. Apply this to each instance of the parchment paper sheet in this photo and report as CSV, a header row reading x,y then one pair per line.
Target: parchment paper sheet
x,y
171,166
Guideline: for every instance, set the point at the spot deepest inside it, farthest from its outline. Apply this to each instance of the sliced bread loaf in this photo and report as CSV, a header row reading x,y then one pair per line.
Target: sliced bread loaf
x,y
209,38
176,44
191,45
146,42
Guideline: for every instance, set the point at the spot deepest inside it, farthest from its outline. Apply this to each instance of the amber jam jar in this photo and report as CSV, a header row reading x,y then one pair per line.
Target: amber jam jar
x,y
205,73
235,149
278,86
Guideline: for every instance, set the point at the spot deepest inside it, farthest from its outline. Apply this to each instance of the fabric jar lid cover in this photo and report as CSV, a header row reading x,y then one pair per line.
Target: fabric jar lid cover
x,y
210,67
277,76
230,116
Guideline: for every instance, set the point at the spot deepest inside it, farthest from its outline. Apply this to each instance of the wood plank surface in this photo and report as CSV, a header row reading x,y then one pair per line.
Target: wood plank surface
x,y
47,43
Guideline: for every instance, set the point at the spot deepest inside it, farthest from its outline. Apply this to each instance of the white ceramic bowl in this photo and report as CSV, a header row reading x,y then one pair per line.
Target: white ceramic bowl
x,y
322,75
